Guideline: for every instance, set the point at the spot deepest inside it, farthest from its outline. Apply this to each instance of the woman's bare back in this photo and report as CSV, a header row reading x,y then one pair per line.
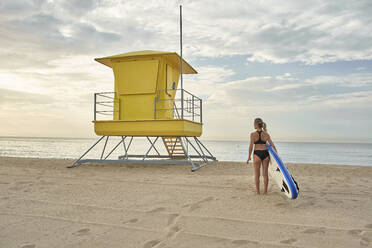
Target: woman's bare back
x,y
264,137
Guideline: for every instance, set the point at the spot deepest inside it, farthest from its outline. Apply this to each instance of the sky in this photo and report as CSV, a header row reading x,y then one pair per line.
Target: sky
x,y
304,67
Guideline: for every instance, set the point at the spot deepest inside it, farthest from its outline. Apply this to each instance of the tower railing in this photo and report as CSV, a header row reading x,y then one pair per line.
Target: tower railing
x,y
168,104
171,101
104,104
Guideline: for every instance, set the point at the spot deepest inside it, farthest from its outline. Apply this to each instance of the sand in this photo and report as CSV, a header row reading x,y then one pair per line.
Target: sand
x,y
43,204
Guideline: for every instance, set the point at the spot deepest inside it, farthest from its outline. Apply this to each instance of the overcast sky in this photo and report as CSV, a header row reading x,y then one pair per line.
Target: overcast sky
x,y
305,67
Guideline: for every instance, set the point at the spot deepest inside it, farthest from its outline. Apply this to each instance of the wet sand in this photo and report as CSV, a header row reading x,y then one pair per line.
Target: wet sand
x,y
44,204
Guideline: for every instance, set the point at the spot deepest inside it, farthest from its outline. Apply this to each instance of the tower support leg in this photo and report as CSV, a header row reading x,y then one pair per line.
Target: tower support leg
x,y
77,162
188,157
195,166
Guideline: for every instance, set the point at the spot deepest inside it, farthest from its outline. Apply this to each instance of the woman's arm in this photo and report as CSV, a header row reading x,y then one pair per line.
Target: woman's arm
x,y
271,143
250,149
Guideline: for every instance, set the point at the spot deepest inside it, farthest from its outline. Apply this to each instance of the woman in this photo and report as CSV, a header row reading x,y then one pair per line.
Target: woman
x,y
261,154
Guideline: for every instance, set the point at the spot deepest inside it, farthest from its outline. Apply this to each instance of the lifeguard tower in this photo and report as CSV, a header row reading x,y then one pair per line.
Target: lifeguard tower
x,y
146,102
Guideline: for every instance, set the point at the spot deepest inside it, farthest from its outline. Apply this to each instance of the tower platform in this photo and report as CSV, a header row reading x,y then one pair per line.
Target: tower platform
x,y
141,128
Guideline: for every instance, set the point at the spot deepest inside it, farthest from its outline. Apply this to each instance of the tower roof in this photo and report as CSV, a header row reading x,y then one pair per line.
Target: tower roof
x,y
172,56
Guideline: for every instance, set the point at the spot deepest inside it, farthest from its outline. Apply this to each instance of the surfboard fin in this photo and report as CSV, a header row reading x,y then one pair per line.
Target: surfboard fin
x,y
298,189
285,187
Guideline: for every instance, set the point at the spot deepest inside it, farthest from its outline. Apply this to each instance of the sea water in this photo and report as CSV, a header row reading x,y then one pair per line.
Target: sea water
x,y
294,152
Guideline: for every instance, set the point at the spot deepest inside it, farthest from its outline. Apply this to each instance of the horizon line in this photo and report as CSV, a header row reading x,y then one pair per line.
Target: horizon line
x,y
294,140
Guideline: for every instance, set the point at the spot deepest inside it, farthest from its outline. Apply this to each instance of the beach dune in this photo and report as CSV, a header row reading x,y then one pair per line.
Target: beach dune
x,y
43,204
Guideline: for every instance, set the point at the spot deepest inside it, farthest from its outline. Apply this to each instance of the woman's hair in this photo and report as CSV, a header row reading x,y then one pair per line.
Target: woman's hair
x,y
260,123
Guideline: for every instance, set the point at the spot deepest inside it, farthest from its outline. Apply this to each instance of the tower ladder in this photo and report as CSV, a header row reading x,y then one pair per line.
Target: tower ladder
x,y
173,146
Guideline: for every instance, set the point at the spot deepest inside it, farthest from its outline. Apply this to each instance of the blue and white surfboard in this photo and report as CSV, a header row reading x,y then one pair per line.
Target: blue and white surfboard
x,y
281,175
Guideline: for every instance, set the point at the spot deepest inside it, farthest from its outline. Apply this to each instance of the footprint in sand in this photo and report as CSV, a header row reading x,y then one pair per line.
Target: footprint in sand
x,y
240,242
155,210
288,241
172,228
28,246
281,205
196,205
130,221
314,230
207,199
364,242
151,243
354,232
172,218
172,231
81,232
305,204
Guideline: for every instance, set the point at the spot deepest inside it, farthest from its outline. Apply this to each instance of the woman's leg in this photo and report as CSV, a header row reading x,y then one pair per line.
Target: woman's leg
x,y
257,168
265,168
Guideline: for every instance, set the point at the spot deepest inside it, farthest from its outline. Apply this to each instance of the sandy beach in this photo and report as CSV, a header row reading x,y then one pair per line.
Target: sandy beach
x,y
43,204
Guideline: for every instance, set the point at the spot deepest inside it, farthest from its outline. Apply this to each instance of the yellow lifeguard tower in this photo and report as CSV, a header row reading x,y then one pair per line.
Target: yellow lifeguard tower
x,y
146,102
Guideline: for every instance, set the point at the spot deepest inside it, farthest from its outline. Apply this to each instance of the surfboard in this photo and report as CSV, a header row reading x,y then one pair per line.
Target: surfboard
x,y
281,175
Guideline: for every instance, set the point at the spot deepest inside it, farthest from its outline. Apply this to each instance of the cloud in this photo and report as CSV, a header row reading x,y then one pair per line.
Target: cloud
x,y
47,50
12,97
349,80
285,87
267,94
264,31
32,114
293,107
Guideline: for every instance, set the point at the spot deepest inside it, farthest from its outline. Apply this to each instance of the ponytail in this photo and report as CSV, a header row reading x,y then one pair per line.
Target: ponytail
x,y
261,124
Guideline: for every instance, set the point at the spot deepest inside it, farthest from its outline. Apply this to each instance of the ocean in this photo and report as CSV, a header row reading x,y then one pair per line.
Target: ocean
x,y
294,152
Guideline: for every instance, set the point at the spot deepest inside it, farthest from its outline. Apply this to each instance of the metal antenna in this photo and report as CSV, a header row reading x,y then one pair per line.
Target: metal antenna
x,y
181,62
